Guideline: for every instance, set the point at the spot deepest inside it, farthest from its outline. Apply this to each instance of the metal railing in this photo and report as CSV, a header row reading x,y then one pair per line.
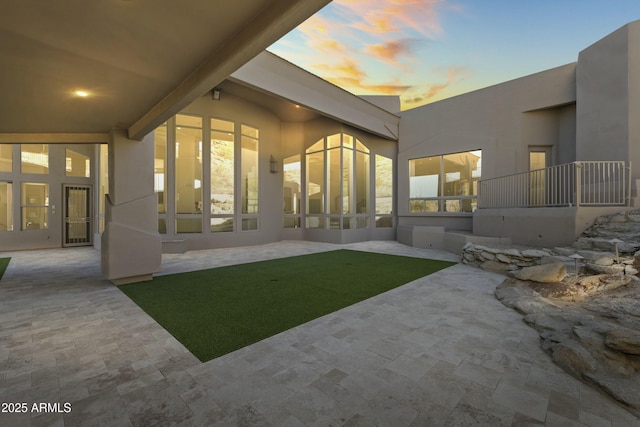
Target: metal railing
x,y
585,183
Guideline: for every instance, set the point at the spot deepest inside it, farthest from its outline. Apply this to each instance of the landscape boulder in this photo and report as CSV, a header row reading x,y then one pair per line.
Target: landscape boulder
x,y
624,340
545,273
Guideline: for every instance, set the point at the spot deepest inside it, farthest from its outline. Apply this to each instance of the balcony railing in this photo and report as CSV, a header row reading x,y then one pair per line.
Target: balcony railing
x,y
589,183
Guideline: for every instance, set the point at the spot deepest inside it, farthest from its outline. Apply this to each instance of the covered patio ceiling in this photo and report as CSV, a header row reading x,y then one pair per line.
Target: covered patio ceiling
x,y
139,61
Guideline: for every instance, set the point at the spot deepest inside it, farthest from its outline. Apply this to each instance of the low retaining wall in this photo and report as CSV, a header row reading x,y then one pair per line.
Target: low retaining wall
x,y
502,260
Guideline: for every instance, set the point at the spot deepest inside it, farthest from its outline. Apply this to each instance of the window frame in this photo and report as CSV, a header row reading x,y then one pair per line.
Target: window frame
x,y
442,200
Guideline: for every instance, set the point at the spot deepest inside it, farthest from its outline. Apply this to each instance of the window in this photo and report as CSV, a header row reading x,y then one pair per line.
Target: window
x,y
338,183
160,175
6,206
362,184
222,175
35,158
104,183
249,177
6,157
315,185
447,183
384,192
35,206
77,164
292,186
188,147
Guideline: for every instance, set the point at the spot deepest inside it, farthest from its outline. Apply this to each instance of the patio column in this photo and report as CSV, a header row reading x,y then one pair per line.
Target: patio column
x,y
131,245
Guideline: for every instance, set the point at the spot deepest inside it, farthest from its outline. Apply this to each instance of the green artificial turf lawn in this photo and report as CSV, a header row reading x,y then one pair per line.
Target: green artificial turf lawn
x,y
216,311
4,263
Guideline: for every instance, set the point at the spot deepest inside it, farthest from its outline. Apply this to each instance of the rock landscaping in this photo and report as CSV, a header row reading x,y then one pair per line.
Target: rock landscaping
x,y
588,320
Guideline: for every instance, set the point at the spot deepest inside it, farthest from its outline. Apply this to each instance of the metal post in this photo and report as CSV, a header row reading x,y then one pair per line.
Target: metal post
x,y
629,189
578,183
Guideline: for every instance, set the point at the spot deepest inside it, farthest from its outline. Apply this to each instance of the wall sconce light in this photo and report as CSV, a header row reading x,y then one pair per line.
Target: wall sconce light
x,y
215,94
273,165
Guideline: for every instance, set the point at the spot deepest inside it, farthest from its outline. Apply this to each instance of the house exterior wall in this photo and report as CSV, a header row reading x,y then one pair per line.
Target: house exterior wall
x,y
608,93
240,112
582,111
20,237
324,126
502,121
278,140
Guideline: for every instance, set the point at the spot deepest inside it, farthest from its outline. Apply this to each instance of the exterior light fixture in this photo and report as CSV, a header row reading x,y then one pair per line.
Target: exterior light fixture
x,y
273,165
576,259
215,94
615,245
81,93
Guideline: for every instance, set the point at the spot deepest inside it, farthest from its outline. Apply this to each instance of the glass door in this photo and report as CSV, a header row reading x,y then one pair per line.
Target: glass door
x,y
539,160
77,215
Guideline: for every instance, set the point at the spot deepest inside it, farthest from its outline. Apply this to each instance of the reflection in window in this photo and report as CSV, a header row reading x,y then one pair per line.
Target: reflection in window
x,y
249,170
188,173
35,206
222,175
447,183
315,180
77,164
362,182
104,183
6,157
160,174
346,173
335,182
292,171
35,158
384,192
6,206
221,225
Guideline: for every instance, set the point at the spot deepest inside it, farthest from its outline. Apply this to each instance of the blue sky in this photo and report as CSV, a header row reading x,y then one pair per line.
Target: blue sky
x,y
427,50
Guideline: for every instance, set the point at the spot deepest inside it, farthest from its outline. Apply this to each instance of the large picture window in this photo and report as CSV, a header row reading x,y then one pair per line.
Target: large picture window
x,y
446,183
206,175
160,175
188,147
222,175
338,183
249,177
292,169
384,192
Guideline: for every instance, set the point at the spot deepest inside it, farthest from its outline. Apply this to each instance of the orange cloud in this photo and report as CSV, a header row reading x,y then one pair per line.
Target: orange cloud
x,y
431,91
348,75
360,87
347,69
389,16
353,32
391,51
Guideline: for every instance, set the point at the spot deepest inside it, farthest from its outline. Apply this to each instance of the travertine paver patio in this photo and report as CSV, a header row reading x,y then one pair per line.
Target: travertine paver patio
x,y
438,351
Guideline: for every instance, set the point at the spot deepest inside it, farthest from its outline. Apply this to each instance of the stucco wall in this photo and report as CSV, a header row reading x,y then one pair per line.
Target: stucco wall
x,y
501,120
603,99
52,237
241,111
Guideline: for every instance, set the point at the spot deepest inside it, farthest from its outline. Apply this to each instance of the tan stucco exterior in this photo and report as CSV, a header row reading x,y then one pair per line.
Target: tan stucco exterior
x,y
579,111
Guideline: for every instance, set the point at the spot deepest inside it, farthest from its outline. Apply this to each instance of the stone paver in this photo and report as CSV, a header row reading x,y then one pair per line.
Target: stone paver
x,y
438,351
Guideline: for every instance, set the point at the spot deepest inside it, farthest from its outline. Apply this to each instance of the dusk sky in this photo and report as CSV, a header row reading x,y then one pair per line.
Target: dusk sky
x,y
427,50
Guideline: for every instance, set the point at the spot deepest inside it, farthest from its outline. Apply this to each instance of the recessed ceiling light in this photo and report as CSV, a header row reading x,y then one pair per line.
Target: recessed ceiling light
x,y
81,93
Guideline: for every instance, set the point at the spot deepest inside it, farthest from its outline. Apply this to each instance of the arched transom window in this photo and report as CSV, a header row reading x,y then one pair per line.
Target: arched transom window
x,y
338,183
